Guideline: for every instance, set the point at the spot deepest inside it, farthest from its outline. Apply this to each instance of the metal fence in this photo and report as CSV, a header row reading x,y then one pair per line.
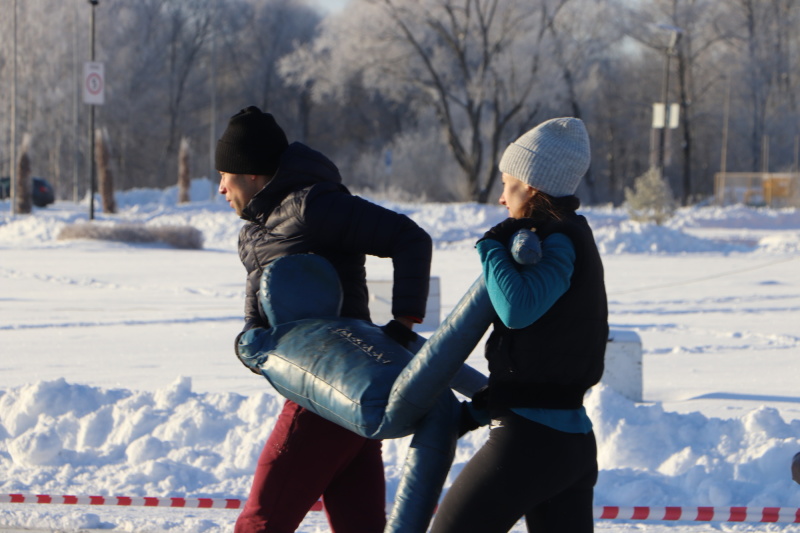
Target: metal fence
x,y
772,189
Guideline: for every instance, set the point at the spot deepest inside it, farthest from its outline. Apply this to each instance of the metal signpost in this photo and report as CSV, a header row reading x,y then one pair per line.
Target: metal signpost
x,y
94,95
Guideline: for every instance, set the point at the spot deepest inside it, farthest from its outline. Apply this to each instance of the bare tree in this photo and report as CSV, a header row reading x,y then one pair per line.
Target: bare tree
x,y
619,101
764,34
160,79
184,179
443,84
581,38
188,26
24,185
104,173
476,64
158,51
42,78
254,36
686,30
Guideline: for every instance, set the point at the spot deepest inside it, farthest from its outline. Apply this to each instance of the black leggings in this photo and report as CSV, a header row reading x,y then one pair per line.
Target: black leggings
x,y
526,469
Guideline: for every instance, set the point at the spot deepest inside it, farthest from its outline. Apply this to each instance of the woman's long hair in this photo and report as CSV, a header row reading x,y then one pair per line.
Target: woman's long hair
x,y
542,206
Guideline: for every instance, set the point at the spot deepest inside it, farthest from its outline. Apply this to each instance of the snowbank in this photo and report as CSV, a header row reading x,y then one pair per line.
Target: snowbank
x,y
60,438
64,437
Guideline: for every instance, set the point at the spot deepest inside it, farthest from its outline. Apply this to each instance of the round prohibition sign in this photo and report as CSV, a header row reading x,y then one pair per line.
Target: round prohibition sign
x,y
94,83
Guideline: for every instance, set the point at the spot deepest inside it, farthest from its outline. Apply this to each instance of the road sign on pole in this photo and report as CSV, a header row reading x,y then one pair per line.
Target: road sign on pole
x,y
93,83
674,115
659,117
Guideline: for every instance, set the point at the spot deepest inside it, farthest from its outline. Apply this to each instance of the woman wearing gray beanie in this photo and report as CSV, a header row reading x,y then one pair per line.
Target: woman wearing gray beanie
x,y
545,351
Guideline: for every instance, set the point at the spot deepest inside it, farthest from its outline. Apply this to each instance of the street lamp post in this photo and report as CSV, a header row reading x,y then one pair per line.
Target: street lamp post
x,y
212,130
13,163
669,52
92,170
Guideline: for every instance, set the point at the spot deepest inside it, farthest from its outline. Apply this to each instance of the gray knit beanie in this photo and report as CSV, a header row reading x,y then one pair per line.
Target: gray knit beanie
x,y
552,157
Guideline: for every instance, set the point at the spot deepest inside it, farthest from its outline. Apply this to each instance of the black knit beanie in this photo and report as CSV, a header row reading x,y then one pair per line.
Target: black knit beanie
x,y
251,144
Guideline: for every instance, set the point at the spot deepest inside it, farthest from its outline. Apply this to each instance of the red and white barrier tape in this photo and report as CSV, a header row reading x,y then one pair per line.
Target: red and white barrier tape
x,y
700,514
199,503
789,515
132,501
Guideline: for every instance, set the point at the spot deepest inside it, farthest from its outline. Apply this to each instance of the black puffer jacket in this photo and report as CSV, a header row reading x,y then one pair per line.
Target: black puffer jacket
x,y
306,209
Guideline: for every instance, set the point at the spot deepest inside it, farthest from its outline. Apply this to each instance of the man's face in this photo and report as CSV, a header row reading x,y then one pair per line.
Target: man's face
x,y
239,189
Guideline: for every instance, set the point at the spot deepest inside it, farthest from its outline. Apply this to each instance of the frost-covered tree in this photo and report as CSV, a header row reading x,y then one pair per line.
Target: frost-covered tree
x,y
160,74
45,84
581,38
482,68
764,35
684,36
443,85
253,37
154,69
651,198
188,26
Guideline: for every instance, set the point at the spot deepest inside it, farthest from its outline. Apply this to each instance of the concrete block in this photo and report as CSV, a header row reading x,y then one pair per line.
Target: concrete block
x,y
623,371
623,362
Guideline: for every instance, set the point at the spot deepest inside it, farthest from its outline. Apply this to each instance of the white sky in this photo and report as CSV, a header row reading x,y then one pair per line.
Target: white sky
x,y
329,5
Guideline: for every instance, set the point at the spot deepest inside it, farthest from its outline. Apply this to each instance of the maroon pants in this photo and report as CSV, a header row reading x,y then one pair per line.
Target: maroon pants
x,y
307,457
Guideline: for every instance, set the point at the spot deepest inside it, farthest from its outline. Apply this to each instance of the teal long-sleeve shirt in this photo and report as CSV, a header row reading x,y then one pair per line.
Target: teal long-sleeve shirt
x,y
521,294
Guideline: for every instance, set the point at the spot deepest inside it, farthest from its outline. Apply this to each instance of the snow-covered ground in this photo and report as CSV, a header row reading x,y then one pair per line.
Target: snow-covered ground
x,y
117,375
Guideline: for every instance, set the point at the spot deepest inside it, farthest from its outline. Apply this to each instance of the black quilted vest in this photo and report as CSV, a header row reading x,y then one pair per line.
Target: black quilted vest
x,y
554,361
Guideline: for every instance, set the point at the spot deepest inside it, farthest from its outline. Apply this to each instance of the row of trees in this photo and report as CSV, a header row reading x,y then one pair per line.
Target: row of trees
x,y
410,97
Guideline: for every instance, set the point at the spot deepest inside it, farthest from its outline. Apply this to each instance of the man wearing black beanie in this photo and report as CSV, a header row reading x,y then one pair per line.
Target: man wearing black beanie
x,y
293,201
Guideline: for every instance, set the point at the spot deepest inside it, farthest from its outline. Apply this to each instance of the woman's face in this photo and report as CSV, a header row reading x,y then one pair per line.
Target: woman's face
x,y
516,196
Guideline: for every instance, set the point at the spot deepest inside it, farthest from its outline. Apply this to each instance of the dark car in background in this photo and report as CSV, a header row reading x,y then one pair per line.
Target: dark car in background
x,y
43,194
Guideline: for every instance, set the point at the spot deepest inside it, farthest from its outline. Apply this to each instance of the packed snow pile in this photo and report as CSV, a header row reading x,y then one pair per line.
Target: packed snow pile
x,y
60,437
450,225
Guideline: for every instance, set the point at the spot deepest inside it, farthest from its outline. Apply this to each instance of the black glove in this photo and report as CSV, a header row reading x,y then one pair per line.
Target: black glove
x,y
466,422
475,413
480,400
503,231
796,468
399,333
